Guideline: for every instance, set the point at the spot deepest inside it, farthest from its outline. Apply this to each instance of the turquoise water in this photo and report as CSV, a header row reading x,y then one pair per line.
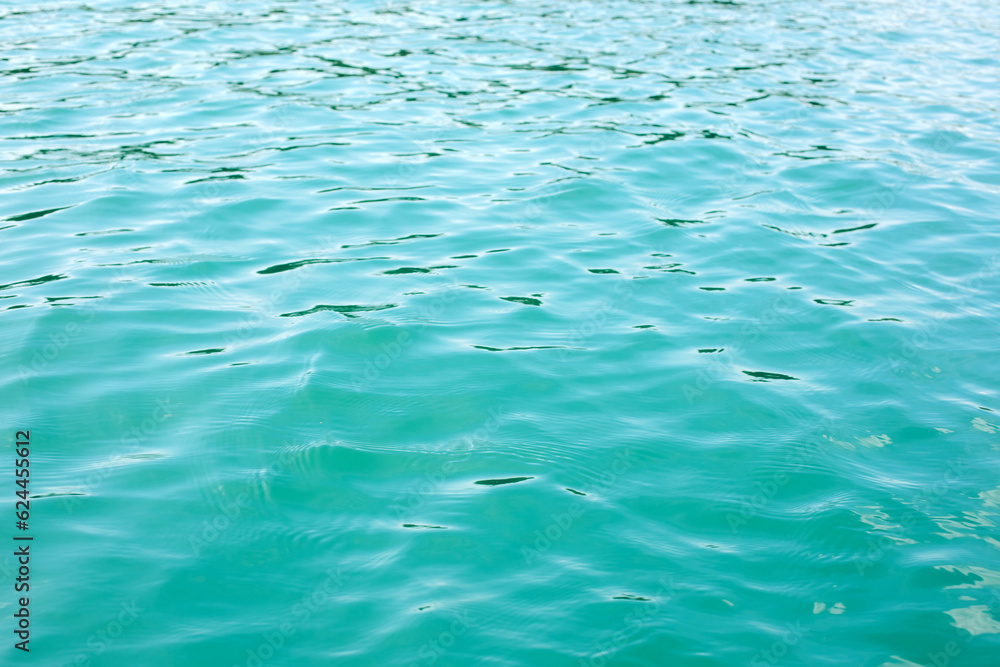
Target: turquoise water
x,y
503,333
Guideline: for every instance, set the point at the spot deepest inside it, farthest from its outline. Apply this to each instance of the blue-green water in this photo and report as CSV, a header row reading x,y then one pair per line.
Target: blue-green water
x,y
503,333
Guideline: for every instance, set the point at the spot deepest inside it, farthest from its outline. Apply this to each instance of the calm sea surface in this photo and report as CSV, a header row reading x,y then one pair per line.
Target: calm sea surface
x,y
502,333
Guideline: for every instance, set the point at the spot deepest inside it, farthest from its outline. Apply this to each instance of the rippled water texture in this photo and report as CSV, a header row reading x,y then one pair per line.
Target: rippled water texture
x,y
503,333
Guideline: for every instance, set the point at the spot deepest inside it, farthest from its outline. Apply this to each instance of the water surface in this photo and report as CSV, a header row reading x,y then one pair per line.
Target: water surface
x,y
504,333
